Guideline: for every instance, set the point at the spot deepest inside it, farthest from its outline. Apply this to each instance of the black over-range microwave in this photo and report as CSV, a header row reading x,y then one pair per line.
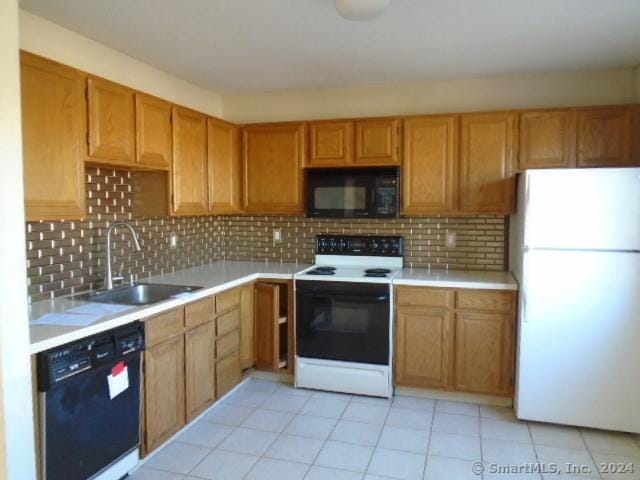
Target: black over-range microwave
x,y
353,192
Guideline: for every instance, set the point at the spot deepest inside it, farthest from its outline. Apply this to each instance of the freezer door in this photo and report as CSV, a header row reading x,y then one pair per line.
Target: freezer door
x,y
578,355
583,209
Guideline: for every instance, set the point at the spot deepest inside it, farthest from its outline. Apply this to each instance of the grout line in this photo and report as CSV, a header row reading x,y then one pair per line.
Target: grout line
x,y
535,450
586,446
433,417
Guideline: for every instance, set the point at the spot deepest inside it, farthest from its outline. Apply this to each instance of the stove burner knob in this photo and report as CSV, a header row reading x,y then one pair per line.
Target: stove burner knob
x,y
374,245
332,244
342,244
385,245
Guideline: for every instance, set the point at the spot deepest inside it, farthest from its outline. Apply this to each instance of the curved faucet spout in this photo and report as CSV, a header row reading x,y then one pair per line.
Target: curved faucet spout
x,y
108,281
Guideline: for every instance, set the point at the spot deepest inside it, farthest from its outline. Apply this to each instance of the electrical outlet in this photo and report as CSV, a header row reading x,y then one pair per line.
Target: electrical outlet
x,y
277,235
450,240
173,240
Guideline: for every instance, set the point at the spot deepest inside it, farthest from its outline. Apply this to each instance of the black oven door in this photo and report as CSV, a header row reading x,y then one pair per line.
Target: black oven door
x,y
343,321
337,193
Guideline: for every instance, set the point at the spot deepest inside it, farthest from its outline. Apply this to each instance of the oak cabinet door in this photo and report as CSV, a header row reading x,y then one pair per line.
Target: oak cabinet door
x,y
429,166
111,122
331,144
153,131
189,175
484,352
267,298
547,139
53,119
486,150
228,373
273,156
377,142
164,385
200,369
424,347
225,171
604,137
247,333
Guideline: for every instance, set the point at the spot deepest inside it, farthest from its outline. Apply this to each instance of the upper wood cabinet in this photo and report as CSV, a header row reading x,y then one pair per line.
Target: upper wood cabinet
x,y
225,170
331,144
53,138
547,139
189,173
429,166
486,154
153,132
604,137
273,156
377,142
111,122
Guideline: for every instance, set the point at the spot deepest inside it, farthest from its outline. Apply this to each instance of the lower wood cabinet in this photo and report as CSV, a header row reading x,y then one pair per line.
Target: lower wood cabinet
x,y
200,369
274,326
228,373
247,327
455,339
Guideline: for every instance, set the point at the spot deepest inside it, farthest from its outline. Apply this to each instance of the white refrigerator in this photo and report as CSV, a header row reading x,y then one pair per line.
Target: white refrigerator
x,y
575,251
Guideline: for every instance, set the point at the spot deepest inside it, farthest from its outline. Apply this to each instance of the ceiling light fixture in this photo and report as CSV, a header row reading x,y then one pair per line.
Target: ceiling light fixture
x,y
361,9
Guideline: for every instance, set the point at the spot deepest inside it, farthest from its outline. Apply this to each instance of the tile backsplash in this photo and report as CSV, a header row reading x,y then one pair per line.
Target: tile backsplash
x,y
65,257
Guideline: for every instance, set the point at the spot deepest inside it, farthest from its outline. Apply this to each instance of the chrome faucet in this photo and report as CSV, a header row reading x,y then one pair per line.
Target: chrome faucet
x,y
108,281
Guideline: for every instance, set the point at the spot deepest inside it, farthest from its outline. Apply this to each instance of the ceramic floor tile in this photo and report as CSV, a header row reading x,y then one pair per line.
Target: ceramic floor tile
x,y
344,456
563,456
498,413
409,418
245,440
298,392
295,448
332,395
273,469
325,407
227,414
500,430
458,424
443,468
405,439
490,474
356,432
310,426
384,402
258,385
458,408
416,403
284,402
178,457
613,443
455,446
618,467
268,420
361,412
323,473
247,398
144,473
556,436
506,452
223,465
397,464
205,434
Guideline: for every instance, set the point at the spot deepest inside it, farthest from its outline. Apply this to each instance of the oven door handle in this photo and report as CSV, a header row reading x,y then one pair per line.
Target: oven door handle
x,y
333,296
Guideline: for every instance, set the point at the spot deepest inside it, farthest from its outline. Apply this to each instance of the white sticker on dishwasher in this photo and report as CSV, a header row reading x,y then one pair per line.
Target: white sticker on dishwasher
x,y
118,380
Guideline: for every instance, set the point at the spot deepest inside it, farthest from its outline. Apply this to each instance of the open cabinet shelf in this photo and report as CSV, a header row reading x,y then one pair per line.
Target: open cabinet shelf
x,y
274,331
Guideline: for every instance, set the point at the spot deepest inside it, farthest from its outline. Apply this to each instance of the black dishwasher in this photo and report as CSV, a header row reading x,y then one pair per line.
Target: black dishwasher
x,y
89,402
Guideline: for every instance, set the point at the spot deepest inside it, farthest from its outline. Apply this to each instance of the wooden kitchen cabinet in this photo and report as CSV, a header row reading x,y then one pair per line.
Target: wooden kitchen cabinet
x,y
189,174
486,184
266,327
604,137
111,122
153,132
247,333
273,157
331,144
376,142
430,165
200,369
228,373
164,391
53,139
225,169
547,139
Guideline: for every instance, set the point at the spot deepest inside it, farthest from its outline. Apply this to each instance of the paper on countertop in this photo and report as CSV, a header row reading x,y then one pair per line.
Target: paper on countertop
x,y
101,309
68,319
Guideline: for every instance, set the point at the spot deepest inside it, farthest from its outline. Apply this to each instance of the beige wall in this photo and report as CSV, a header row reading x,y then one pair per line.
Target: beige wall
x,y
543,90
50,40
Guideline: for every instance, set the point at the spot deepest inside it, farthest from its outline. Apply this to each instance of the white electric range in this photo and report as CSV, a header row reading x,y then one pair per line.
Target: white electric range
x,y
344,313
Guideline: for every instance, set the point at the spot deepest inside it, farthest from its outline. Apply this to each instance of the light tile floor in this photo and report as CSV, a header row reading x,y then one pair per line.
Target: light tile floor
x,y
270,431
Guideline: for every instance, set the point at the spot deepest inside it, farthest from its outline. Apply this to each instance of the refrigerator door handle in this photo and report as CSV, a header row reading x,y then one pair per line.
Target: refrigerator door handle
x,y
523,309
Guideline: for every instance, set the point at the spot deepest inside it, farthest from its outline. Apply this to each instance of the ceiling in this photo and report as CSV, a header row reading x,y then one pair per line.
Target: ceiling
x,y
260,45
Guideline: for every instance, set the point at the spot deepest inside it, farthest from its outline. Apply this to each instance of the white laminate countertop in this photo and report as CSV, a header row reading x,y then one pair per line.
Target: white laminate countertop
x,y
214,277
479,279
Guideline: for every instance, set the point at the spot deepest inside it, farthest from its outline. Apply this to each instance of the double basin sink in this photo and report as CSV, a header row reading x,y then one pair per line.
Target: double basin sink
x,y
137,294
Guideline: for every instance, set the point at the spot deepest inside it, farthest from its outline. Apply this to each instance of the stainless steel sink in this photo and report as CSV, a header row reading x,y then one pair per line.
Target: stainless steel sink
x,y
136,294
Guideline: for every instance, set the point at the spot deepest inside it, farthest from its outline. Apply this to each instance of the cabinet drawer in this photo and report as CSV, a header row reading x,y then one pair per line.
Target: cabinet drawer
x,y
164,326
228,322
227,373
484,300
425,296
228,344
227,300
198,313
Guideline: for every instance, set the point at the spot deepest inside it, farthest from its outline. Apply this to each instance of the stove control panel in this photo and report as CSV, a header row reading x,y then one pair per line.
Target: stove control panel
x,y
372,245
